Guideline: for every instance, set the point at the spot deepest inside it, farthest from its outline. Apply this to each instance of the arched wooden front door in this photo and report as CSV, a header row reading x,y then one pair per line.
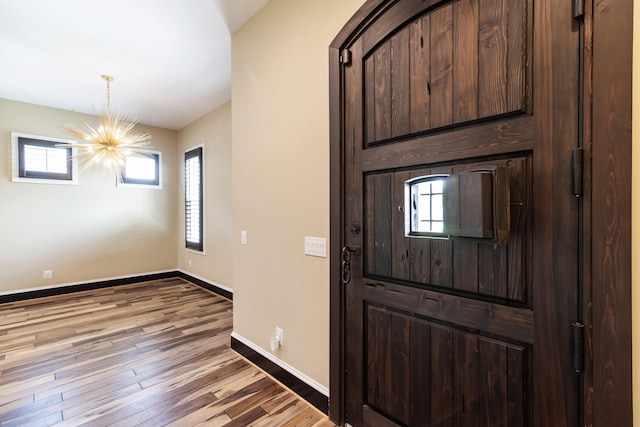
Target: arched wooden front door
x,y
466,317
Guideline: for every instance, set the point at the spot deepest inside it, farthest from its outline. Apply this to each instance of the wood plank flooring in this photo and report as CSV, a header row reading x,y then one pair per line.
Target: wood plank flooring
x,y
148,354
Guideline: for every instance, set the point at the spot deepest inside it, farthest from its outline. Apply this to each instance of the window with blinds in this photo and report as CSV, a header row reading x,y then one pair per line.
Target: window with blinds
x,y
42,159
193,199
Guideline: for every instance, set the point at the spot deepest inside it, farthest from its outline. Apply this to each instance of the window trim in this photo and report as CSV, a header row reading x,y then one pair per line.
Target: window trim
x,y
123,181
195,152
18,141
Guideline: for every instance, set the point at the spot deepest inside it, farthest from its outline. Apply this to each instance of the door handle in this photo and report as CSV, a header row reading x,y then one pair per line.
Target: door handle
x,y
347,251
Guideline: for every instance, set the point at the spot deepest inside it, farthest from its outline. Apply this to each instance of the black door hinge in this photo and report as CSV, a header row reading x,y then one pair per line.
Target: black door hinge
x,y
577,171
578,346
578,9
345,57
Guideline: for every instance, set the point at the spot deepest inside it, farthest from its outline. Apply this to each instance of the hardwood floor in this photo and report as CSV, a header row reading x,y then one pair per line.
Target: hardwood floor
x,y
147,354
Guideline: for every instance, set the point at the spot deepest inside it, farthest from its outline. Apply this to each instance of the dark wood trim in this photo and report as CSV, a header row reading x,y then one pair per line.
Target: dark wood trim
x,y
336,294
510,135
206,285
302,389
611,213
89,286
585,215
459,310
359,21
198,153
372,418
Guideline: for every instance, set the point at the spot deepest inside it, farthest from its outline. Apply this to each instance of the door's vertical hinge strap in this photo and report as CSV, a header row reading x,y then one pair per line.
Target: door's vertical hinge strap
x,y
577,170
578,9
578,346
345,57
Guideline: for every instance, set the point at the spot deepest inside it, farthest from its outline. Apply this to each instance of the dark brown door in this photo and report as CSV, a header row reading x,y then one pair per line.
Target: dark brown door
x,y
443,330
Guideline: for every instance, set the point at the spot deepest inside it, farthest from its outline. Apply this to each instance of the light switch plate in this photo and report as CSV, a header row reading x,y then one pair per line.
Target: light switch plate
x,y
315,246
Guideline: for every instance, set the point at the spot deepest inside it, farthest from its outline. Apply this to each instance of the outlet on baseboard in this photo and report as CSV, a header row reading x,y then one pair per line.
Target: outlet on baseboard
x,y
47,274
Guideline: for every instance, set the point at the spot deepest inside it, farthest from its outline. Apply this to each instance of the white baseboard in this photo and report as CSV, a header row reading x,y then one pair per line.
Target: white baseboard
x,y
293,371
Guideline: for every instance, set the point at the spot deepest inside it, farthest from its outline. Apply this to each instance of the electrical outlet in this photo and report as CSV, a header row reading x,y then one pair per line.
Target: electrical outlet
x,y
189,263
47,274
243,237
280,335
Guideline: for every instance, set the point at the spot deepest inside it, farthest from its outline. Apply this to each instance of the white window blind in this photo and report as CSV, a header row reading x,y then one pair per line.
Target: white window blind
x,y
193,199
43,159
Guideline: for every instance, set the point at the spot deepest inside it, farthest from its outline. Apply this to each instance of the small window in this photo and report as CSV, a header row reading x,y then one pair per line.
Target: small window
x,y
193,171
424,206
43,159
142,169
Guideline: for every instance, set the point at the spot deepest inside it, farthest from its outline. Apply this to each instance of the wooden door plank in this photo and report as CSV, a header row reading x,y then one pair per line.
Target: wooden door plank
x,y
379,224
400,80
420,74
465,60
441,268
492,68
420,377
518,407
519,251
516,55
468,391
441,67
378,365
369,98
465,265
442,377
401,245
382,91
492,277
494,374
401,368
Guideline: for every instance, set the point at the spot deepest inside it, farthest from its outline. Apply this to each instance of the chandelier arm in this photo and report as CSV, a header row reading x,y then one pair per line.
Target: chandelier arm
x,y
112,141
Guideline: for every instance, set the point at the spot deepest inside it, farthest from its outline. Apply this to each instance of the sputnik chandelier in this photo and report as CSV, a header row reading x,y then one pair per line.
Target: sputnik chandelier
x,y
111,142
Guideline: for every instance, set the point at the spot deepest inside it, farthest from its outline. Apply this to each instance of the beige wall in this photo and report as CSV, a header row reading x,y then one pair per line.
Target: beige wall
x,y
90,231
280,116
213,132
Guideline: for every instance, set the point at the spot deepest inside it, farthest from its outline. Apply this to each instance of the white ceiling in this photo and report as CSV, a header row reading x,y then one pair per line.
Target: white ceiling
x,y
170,59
